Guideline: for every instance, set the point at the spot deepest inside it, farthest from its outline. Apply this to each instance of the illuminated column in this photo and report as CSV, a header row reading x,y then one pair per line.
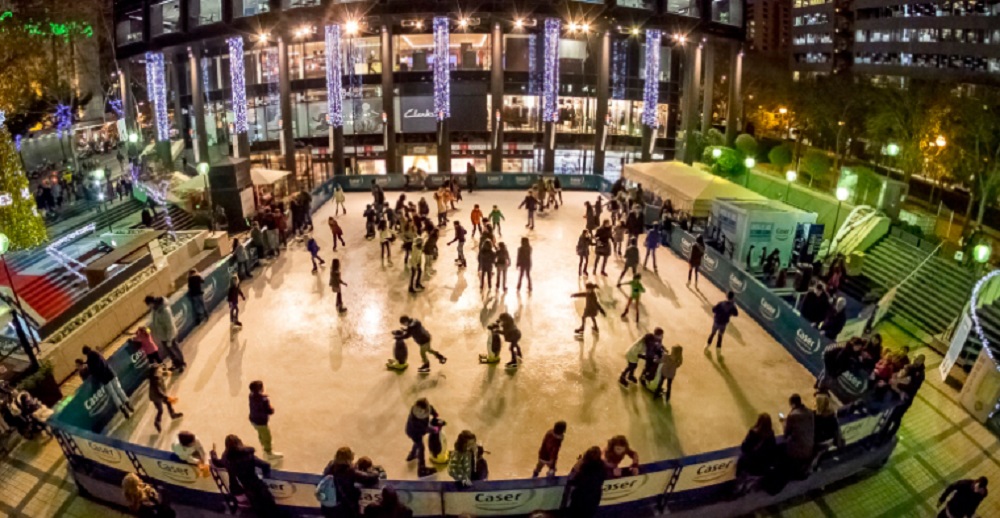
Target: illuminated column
x,y
550,91
603,92
442,91
157,92
388,108
237,74
651,93
496,94
197,81
335,97
128,107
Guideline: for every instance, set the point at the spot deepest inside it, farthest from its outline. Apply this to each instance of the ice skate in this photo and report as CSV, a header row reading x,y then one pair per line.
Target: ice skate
x,y
578,331
425,472
512,365
342,309
623,382
488,359
442,359
595,330
424,369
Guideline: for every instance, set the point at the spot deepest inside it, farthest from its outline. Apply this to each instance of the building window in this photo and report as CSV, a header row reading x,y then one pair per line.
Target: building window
x,y
729,12
243,8
129,29
520,113
637,4
415,52
293,4
204,12
165,17
684,7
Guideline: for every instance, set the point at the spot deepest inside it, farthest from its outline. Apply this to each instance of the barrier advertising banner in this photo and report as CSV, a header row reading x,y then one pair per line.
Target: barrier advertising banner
x,y
705,474
633,489
422,503
499,503
177,473
103,454
854,431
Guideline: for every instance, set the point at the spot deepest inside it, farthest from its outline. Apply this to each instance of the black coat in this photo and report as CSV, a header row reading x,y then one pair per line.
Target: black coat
x,y
347,479
524,257
417,427
99,368
757,454
242,466
815,306
587,483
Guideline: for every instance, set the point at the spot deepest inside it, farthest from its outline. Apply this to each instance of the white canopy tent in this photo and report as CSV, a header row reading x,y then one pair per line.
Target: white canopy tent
x,y
690,189
260,176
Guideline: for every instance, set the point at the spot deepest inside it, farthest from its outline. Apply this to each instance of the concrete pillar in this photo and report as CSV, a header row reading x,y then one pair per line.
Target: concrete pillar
x,y
673,100
200,137
128,106
180,121
603,96
287,116
388,102
496,95
709,82
689,96
443,147
734,112
549,155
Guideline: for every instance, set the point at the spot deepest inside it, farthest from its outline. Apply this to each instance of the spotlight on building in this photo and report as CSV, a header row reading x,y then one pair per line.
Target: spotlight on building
x,y
263,37
585,27
519,23
463,23
635,31
573,27
680,38
351,27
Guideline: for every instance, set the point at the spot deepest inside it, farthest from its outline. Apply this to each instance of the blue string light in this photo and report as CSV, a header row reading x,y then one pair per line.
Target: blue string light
x,y
156,88
532,64
3,117
550,79
619,68
64,118
238,77
651,88
116,106
17,142
334,85
442,69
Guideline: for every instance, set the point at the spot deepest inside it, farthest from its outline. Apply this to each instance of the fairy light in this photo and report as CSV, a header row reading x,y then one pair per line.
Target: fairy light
x,y
156,88
442,69
619,68
973,303
3,117
334,86
651,87
64,118
550,79
533,64
238,77
17,142
116,106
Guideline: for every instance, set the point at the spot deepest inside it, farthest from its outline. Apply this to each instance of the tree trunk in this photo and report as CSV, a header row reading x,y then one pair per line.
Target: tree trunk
x,y
982,209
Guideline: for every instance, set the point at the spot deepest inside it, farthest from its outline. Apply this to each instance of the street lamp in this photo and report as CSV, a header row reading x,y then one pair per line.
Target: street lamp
x,y
791,175
133,138
716,152
750,162
892,149
940,141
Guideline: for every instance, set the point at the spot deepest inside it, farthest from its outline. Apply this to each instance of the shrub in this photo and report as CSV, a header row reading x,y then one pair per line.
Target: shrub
x,y
780,156
746,145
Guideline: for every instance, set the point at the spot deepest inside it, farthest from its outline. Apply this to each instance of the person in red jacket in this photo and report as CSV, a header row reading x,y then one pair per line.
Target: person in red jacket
x,y
548,454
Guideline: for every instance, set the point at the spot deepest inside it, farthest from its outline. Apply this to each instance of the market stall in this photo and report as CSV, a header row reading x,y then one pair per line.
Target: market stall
x,y
752,229
690,189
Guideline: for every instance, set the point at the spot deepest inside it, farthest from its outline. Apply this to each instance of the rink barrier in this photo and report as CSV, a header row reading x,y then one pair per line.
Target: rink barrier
x,y
99,462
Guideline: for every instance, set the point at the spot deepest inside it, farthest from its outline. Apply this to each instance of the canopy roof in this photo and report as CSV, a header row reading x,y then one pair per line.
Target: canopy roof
x,y
260,176
689,189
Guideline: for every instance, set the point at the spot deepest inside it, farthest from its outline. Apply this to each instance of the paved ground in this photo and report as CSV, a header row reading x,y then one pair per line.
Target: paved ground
x,y
939,443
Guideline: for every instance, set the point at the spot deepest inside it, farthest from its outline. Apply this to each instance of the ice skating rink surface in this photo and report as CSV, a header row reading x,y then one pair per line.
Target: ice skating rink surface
x,y
326,374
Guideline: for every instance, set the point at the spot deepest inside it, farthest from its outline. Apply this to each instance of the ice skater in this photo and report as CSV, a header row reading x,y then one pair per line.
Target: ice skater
x,y
460,239
548,454
371,220
487,259
583,251
503,263
337,231
636,289
591,308
631,259
524,263
513,337
233,296
646,348
336,281
313,248
416,263
430,250
666,371
385,237
414,329
338,200
495,218
417,426
694,261
531,205
494,342
477,220
260,417
618,236
653,241
442,196
408,234
592,221
602,248
722,312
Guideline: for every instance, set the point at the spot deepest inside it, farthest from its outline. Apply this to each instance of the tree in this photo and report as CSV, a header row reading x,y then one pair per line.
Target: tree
x,y
780,156
974,150
19,217
906,118
747,145
816,164
714,137
728,164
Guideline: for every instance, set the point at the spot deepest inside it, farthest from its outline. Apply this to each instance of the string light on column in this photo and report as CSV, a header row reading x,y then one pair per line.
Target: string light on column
x,y
442,69
973,303
550,79
64,118
238,77
619,68
532,64
334,86
651,86
156,88
116,106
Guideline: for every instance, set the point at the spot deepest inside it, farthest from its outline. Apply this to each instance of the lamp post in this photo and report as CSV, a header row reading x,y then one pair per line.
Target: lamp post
x,y
23,335
842,194
203,168
749,162
791,175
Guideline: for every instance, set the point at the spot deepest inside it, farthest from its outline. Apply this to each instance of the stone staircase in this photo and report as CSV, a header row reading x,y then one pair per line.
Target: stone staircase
x,y
929,301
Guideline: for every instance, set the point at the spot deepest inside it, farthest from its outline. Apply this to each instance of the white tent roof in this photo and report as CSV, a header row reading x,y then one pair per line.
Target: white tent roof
x,y
689,189
181,184
260,176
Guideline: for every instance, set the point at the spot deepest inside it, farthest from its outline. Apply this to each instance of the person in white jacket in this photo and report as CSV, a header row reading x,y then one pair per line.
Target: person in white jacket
x,y
635,352
416,262
161,326
338,199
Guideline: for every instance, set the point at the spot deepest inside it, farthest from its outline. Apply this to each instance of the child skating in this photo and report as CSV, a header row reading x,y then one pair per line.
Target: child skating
x,y
591,308
583,251
416,264
460,239
412,328
233,296
338,200
631,259
337,231
636,289
548,454
477,220
487,259
313,248
495,218
386,236
502,263
513,337
524,263
400,353
336,282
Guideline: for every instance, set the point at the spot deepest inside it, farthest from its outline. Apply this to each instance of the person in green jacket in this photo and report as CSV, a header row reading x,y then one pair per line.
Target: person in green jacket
x,y
636,289
463,464
496,217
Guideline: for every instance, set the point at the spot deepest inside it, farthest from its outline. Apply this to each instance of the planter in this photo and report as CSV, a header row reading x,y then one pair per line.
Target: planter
x,y
43,386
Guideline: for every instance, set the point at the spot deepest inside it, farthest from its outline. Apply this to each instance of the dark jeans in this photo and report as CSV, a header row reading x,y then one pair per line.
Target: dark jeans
x,y
415,274
650,252
198,304
721,330
418,450
525,272
243,269
159,410
531,219
693,269
234,312
174,352
629,371
338,237
502,274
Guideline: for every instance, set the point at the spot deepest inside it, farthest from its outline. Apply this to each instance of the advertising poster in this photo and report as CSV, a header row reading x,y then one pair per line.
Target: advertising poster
x,y
856,430
104,454
177,473
422,503
957,343
502,503
705,474
632,489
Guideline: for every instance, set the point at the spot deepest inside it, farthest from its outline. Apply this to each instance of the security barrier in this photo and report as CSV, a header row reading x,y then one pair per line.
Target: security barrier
x,y
99,462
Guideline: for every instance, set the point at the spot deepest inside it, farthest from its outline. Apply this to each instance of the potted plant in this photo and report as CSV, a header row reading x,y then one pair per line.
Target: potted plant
x,y
42,385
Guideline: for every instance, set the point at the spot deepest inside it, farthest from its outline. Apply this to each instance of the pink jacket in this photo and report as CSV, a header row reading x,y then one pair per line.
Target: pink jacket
x,y
146,342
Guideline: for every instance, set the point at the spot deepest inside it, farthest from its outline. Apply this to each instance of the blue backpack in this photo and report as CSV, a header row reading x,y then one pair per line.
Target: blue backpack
x,y
326,492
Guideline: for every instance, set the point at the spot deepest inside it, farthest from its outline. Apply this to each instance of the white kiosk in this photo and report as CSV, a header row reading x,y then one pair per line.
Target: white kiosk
x,y
761,224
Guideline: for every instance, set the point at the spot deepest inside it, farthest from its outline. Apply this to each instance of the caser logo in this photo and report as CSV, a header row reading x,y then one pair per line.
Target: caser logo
x,y
852,384
209,291
180,317
709,264
768,310
711,472
623,487
176,472
381,182
97,402
521,180
139,360
782,234
354,182
736,284
105,453
576,181
493,180
280,488
686,245
806,343
504,500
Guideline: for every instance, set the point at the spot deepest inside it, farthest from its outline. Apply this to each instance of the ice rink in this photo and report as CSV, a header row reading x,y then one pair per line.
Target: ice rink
x,y
326,374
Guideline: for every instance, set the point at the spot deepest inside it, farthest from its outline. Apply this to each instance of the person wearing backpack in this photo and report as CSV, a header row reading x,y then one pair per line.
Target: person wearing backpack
x,y
338,492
